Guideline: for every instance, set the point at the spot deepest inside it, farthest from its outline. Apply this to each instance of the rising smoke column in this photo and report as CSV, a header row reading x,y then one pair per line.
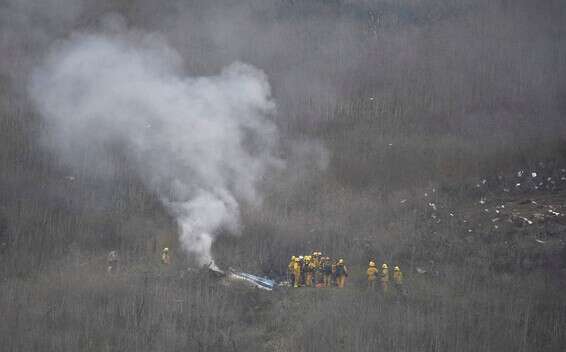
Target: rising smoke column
x,y
200,143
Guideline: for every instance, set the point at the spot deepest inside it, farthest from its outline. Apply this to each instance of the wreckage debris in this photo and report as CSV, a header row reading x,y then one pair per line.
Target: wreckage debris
x,y
312,272
232,275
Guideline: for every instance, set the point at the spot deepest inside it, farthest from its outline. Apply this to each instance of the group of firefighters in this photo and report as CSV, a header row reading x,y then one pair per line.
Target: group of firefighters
x,y
319,271
373,274
313,270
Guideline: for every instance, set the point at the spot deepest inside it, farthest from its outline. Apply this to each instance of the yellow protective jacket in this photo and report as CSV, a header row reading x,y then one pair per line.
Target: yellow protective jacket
x,y
310,267
297,268
385,275
398,277
316,263
372,273
291,265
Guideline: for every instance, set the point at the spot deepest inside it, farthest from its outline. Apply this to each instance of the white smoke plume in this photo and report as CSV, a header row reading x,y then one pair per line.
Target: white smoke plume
x,y
200,143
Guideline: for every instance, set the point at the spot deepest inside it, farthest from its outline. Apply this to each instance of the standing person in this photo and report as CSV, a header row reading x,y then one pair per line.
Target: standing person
x,y
165,257
334,274
316,260
297,272
112,262
302,263
385,278
327,272
341,273
398,279
372,274
309,271
290,269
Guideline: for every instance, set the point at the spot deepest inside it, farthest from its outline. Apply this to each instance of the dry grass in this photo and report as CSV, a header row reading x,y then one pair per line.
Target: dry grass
x,y
461,90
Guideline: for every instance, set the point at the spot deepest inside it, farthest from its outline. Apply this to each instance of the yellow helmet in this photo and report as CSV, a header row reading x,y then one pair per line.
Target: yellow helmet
x,y
341,261
397,268
165,249
372,264
384,266
293,257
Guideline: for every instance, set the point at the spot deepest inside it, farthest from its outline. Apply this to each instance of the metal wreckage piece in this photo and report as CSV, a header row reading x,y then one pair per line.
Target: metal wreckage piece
x,y
232,275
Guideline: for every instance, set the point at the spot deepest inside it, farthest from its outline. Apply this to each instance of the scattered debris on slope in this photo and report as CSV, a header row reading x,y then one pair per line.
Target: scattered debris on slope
x,y
521,216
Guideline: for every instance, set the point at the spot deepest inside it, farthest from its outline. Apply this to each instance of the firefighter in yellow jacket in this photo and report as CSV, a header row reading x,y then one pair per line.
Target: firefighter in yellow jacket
x,y
341,273
398,279
165,257
309,271
302,263
290,270
384,278
372,274
297,272
316,260
327,272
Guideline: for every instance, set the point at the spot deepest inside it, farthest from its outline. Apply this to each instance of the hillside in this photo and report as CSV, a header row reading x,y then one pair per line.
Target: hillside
x,y
427,134
469,278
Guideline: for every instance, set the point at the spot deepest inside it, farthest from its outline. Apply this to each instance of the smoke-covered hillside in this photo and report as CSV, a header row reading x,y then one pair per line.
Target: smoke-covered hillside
x,y
427,134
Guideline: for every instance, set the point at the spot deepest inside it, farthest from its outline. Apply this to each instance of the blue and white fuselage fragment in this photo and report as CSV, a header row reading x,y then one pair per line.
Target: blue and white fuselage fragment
x,y
263,283
257,281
